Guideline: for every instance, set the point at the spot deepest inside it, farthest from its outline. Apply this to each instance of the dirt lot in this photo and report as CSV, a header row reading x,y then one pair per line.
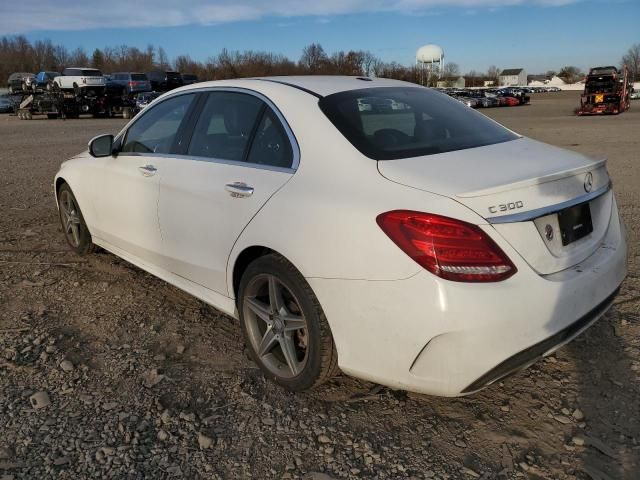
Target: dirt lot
x,y
144,381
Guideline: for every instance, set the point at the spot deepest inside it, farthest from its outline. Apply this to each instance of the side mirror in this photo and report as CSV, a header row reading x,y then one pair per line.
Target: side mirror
x,y
101,146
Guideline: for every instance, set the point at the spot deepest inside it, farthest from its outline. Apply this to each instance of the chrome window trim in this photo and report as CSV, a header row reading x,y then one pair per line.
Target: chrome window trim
x,y
221,161
541,212
295,147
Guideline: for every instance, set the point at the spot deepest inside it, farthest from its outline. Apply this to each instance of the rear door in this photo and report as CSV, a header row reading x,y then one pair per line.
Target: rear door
x,y
240,153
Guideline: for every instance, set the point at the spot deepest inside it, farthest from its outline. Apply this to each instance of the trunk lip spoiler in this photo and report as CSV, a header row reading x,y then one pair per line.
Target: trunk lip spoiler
x,y
536,181
548,210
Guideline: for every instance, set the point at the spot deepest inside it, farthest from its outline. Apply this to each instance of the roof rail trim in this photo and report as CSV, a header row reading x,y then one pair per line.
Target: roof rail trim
x,y
310,92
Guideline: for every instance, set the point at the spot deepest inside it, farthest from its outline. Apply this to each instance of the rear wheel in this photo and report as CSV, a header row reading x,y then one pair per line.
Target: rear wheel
x,y
73,224
286,331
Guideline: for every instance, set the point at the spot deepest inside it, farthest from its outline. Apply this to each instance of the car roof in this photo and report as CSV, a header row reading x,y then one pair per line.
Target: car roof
x,y
318,85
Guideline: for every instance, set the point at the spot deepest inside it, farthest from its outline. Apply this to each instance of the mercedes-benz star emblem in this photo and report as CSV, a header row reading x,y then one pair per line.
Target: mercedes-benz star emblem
x,y
588,182
548,232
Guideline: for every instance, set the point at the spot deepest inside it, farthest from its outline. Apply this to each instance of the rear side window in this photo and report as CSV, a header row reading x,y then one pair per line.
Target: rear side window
x,y
400,122
156,129
225,126
271,145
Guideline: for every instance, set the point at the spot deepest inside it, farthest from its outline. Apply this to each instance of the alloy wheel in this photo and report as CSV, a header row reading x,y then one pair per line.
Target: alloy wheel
x,y
70,214
276,326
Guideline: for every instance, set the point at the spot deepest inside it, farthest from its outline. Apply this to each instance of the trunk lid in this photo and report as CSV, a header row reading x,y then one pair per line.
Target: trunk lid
x,y
519,187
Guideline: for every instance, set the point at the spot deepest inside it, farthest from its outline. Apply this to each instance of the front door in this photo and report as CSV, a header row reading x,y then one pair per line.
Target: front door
x,y
127,190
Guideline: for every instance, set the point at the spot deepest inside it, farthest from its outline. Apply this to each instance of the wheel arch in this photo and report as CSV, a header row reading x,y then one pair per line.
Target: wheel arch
x,y
244,259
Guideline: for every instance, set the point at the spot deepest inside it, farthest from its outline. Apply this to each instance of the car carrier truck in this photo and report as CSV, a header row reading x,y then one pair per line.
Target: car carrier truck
x,y
607,90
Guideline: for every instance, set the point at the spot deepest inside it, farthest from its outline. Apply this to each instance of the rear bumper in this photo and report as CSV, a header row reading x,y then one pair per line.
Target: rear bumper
x,y
529,356
433,336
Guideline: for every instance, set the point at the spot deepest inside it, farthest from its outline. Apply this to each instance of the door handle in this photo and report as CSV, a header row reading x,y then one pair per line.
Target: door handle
x,y
239,189
148,170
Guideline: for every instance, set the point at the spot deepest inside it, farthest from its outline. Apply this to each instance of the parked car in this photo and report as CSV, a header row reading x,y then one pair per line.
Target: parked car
x,y
131,82
144,99
511,101
635,94
189,78
164,81
43,81
5,105
436,252
16,81
81,81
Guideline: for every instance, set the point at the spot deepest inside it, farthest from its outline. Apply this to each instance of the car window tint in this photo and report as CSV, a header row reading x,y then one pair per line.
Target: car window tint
x,y
225,125
400,122
156,129
271,145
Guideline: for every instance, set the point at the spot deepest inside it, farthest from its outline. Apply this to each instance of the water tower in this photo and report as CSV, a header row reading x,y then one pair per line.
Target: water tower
x,y
430,62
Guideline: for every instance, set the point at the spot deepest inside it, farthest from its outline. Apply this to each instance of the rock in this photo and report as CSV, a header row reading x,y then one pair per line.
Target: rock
x,y
470,472
578,441
460,443
578,415
109,406
39,400
61,460
268,421
562,419
317,476
180,349
66,365
151,378
5,453
162,435
323,439
204,442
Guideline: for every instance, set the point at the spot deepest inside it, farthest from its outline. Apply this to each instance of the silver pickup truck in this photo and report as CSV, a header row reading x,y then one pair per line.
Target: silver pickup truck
x,y
81,80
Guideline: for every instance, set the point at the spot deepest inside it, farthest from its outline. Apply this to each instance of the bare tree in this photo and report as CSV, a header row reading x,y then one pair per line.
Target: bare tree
x,y
570,74
493,74
313,57
451,70
632,60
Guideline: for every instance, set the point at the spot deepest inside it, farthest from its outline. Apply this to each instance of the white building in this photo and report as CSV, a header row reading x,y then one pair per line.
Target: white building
x,y
513,77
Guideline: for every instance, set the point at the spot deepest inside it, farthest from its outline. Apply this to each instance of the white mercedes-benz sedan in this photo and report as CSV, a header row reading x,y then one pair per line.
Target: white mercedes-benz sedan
x,y
370,225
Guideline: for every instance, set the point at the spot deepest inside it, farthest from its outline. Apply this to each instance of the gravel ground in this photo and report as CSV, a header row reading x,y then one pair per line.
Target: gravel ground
x,y
107,372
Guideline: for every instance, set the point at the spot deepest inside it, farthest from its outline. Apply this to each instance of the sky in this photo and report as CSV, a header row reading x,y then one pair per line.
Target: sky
x,y
537,35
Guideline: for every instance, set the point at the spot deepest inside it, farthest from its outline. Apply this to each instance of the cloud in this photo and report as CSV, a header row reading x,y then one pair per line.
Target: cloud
x,y
31,15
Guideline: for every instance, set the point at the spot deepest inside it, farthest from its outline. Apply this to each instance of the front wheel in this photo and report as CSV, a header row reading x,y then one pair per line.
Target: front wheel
x,y
286,331
73,224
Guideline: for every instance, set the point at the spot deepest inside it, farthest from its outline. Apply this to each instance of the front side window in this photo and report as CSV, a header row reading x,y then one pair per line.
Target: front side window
x,y
399,122
156,129
225,126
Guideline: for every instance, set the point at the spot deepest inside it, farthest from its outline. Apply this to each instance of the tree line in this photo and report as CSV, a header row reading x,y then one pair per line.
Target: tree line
x,y
18,54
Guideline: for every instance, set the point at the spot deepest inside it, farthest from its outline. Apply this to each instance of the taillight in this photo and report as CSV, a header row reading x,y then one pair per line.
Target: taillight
x,y
451,249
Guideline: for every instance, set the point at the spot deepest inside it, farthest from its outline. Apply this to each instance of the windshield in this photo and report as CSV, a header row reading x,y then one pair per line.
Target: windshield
x,y
400,122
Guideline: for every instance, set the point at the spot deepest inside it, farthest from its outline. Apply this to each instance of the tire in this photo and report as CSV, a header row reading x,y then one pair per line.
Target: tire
x,y
311,349
73,225
126,113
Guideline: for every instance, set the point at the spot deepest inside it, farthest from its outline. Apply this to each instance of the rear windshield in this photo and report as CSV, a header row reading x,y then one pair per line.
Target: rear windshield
x,y
91,73
138,77
388,123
